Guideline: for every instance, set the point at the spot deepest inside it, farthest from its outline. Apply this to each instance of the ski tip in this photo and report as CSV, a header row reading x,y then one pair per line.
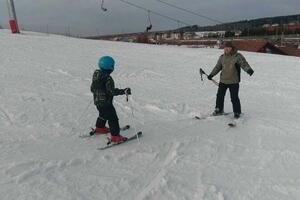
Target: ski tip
x,y
231,124
125,127
197,117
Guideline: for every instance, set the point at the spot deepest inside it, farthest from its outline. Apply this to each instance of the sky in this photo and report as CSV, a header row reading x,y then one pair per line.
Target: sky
x,y
85,17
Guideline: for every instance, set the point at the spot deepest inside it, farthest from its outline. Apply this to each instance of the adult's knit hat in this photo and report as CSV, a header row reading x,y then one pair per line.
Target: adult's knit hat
x,y
229,44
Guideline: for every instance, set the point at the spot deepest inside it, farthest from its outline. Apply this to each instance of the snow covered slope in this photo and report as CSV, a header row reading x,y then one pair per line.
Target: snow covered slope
x,y
45,103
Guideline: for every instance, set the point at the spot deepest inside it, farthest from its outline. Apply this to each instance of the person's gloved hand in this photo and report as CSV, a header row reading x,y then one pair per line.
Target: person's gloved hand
x,y
127,91
250,72
209,77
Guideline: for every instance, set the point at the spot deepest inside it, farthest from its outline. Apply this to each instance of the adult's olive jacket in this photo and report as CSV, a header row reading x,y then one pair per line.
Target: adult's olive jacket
x,y
230,66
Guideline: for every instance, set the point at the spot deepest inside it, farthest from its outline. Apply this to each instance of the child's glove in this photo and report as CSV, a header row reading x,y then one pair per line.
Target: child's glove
x,y
127,91
250,72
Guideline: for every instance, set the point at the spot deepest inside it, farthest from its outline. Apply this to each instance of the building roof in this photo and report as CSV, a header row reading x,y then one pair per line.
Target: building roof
x,y
250,45
290,51
261,45
264,46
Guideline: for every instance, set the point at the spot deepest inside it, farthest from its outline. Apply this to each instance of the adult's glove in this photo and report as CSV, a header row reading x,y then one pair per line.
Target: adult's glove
x,y
127,91
250,72
209,77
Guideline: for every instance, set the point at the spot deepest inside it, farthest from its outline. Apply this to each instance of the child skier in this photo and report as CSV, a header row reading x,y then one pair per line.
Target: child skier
x,y
103,89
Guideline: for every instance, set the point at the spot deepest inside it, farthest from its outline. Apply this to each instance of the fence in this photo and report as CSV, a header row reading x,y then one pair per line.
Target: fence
x,y
57,29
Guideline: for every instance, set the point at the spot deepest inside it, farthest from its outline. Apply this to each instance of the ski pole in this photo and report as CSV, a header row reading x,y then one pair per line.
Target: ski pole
x,y
202,72
132,117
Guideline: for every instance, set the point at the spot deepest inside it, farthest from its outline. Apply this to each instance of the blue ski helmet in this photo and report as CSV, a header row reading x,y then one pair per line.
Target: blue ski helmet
x,y
106,63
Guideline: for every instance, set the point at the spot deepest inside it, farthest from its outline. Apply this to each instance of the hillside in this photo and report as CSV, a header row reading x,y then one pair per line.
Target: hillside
x,y
45,104
244,24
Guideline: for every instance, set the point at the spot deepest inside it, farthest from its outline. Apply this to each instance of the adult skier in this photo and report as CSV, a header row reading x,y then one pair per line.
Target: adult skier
x,y
230,64
103,89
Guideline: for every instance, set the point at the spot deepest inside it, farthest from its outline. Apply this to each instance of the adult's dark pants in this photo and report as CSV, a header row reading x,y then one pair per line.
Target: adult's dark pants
x,y
108,113
234,94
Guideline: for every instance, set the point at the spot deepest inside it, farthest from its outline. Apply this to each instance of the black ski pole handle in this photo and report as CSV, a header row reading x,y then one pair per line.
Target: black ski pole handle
x,y
203,72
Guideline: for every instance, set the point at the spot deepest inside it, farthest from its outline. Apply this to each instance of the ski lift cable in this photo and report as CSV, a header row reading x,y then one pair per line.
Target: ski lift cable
x,y
149,18
189,11
149,27
156,13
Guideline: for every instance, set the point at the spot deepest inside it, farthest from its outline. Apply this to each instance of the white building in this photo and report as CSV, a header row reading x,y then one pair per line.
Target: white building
x,y
207,34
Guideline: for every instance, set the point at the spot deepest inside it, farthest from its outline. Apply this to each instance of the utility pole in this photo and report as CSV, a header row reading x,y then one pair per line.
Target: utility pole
x,y
282,38
13,22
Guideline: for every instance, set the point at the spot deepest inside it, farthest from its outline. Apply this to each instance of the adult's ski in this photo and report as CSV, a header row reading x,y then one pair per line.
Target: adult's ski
x,y
92,132
232,124
210,115
235,121
111,144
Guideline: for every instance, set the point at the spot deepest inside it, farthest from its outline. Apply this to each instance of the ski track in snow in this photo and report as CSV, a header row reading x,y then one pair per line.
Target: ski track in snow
x,y
6,116
45,104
